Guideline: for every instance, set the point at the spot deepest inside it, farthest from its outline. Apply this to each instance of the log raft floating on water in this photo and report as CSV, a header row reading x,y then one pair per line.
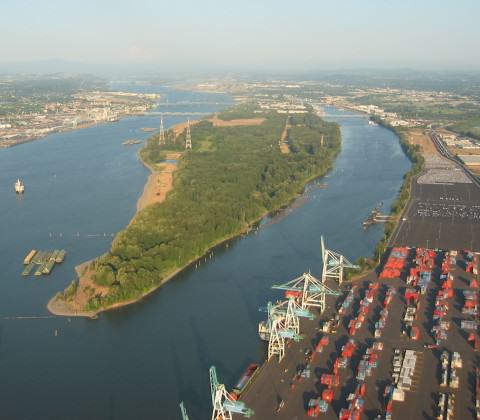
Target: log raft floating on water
x,y
44,261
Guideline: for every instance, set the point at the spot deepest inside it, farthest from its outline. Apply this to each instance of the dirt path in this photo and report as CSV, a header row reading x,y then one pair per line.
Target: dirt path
x,y
180,128
217,122
283,143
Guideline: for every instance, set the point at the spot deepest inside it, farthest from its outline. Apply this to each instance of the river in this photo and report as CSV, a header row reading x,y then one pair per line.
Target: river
x,y
140,361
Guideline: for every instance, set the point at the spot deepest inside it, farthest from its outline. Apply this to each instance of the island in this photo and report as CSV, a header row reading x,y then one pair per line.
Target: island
x,y
244,163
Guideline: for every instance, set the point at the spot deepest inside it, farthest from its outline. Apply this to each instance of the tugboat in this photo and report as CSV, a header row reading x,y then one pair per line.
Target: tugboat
x,y
19,187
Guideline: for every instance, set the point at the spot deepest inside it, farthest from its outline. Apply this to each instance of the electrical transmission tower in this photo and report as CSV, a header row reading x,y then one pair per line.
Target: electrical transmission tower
x,y
188,138
161,137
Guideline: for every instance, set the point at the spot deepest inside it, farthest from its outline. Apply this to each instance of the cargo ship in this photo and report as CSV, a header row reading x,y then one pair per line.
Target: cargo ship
x,y
245,378
19,187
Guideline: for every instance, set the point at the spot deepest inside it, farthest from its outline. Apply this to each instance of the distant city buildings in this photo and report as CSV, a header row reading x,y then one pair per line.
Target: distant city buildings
x,y
84,109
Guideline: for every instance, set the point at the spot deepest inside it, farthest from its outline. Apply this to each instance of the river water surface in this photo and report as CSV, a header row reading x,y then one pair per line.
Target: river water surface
x,y
140,361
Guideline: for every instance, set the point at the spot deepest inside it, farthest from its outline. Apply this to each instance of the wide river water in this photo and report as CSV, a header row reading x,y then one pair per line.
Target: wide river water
x,y
140,361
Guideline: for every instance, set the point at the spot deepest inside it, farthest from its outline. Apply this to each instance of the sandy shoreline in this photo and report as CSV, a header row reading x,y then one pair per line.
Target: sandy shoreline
x,y
158,184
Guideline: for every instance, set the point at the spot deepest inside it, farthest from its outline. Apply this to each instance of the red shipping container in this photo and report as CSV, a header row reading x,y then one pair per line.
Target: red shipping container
x,y
327,395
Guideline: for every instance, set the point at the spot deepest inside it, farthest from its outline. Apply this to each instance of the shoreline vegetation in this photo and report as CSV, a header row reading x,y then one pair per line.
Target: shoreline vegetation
x,y
233,177
415,154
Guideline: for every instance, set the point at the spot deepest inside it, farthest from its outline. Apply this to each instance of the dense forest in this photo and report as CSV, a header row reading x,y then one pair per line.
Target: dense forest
x,y
231,178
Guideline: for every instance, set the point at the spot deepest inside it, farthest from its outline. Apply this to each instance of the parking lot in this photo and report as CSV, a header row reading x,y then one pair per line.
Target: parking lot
x,y
441,215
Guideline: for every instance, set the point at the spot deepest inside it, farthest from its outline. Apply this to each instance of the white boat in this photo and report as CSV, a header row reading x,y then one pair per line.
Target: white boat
x,y
370,122
19,187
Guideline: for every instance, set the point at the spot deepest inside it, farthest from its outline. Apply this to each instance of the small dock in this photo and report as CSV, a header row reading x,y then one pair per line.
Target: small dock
x,y
42,262
375,217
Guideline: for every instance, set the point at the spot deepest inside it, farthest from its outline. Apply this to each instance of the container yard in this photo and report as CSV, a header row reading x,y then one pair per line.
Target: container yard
x,y
42,262
397,345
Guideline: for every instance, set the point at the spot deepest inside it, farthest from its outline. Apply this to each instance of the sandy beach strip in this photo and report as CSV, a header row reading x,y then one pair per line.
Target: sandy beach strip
x,y
159,182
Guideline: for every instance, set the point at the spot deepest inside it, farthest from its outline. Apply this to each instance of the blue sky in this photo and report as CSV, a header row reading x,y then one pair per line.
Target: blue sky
x,y
248,34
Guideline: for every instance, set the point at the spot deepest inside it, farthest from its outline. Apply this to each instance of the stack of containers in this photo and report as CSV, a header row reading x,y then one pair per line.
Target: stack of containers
x,y
391,292
424,281
333,380
388,396
368,363
356,400
316,406
356,323
472,262
395,263
470,306
411,296
407,371
347,302
440,329
321,344
380,324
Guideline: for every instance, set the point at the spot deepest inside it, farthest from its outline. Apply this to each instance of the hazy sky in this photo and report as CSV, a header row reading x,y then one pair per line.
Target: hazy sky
x,y
248,34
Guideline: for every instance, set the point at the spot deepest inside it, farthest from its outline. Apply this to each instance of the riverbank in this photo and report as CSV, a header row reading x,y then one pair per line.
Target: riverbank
x,y
74,308
159,182
415,148
175,218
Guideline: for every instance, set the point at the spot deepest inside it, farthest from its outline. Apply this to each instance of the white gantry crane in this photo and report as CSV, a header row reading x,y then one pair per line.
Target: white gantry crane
x,y
223,403
183,411
311,291
289,311
278,334
282,323
334,264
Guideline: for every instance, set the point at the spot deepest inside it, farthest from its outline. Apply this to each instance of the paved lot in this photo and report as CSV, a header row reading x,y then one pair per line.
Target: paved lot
x,y
273,382
444,213
441,216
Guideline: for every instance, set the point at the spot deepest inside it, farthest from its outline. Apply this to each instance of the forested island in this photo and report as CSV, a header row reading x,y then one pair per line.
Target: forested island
x,y
233,176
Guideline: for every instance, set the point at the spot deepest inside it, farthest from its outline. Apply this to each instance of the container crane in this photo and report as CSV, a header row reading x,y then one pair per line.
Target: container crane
x,y
224,405
311,291
183,411
334,264
278,334
289,310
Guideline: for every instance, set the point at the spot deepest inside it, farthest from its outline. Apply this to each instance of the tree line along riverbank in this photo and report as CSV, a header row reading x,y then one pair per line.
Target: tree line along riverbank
x,y
415,155
233,176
